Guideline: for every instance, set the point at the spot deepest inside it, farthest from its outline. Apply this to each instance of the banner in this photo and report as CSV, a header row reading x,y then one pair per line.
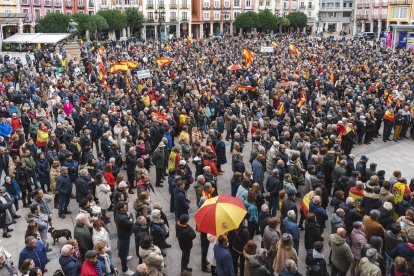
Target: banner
x,y
388,40
410,41
266,49
143,74
402,40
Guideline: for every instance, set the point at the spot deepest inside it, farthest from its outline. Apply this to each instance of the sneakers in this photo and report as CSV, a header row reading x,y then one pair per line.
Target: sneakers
x,y
128,272
129,258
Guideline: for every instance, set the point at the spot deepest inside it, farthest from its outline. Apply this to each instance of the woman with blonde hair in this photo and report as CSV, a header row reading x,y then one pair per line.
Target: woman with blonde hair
x,y
100,235
285,251
54,174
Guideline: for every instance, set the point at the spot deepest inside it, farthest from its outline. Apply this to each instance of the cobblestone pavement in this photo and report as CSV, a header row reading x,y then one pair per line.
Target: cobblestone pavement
x,y
388,156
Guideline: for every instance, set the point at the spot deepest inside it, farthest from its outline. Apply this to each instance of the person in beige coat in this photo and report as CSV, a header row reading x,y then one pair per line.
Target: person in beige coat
x,y
368,266
285,251
152,256
407,223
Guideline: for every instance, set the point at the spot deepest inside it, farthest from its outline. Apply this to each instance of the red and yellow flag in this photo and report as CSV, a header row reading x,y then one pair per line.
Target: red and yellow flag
x,y
333,77
117,68
42,137
248,55
162,61
274,44
304,205
188,42
131,64
294,50
389,116
280,109
248,88
302,99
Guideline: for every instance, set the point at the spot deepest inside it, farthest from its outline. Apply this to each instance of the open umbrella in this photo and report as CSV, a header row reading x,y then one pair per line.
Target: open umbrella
x,y
220,214
234,67
289,83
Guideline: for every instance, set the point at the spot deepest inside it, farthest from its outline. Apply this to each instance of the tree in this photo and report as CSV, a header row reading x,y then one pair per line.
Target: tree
x,y
53,23
116,19
100,22
85,22
297,19
266,20
134,18
246,20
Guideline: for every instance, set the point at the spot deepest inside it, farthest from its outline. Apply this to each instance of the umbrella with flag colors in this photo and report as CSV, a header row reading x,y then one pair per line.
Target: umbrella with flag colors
x,y
234,67
220,214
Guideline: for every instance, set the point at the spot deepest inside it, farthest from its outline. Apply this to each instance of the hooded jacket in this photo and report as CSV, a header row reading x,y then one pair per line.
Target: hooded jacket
x,y
391,241
154,260
336,222
341,253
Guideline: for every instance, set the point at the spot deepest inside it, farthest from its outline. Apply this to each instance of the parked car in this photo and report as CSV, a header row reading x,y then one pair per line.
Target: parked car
x,y
366,35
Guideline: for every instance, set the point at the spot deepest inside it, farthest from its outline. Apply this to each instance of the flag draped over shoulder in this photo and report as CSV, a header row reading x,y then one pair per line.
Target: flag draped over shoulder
x,y
389,116
294,50
42,137
304,205
280,109
248,55
162,61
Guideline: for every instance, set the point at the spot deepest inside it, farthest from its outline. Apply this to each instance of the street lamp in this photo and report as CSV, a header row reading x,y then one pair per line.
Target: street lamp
x,y
160,17
225,16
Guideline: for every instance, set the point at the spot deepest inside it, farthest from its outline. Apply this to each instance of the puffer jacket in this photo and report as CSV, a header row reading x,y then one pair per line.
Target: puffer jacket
x,y
154,260
70,265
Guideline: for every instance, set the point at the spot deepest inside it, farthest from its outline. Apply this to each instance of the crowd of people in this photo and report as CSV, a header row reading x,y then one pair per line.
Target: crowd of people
x,y
285,125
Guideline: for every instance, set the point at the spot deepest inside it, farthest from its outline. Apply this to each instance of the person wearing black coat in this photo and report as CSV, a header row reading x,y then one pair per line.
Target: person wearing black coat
x,y
312,231
237,240
181,204
131,163
220,153
4,162
185,234
64,188
96,133
315,260
5,214
42,172
140,230
23,179
361,167
273,186
124,226
238,165
83,188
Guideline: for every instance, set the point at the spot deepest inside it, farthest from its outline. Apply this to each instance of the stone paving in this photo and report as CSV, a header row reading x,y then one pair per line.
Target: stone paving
x,y
388,156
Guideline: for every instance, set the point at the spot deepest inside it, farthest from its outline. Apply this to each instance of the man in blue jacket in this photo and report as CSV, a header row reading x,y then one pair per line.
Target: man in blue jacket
x,y
291,227
320,213
181,204
36,251
5,129
224,261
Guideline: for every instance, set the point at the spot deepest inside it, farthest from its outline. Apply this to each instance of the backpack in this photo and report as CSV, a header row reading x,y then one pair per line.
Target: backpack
x,y
58,273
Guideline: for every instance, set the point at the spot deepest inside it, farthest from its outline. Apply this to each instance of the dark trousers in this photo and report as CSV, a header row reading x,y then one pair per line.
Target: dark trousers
x,y
159,172
185,258
335,271
273,205
123,250
131,179
236,256
63,204
204,249
251,226
387,132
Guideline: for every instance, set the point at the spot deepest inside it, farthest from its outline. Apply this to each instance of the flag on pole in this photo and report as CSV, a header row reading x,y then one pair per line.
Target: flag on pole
x,y
117,68
294,50
248,55
188,42
102,71
162,61
131,64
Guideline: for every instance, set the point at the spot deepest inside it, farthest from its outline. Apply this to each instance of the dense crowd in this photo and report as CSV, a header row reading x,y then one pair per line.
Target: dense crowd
x,y
291,119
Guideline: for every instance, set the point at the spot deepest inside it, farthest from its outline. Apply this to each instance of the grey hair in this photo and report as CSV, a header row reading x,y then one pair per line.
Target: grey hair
x,y
29,239
289,263
375,214
80,217
371,254
317,199
342,163
275,171
291,214
66,249
357,224
200,177
350,201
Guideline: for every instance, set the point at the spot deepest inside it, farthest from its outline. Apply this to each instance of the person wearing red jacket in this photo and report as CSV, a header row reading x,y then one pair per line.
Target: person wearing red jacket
x,y
90,264
15,122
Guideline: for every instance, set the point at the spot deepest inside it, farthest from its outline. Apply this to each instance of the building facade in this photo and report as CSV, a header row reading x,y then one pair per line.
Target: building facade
x,y
400,12
166,18
371,16
308,7
212,17
336,16
36,9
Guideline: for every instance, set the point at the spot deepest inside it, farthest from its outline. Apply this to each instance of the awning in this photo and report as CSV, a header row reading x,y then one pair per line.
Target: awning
x,y
41,38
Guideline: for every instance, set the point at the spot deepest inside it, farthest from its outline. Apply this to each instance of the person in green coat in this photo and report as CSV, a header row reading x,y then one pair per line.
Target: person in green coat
x,y
158,159
30,163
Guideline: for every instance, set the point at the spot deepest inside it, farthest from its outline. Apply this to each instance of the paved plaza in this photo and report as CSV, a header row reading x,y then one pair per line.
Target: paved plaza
x,y
388,156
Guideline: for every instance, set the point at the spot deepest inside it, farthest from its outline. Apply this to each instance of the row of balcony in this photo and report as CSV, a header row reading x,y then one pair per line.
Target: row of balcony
x,y
57,3
207,6
373,16
172,6
183,19
81,3
376,4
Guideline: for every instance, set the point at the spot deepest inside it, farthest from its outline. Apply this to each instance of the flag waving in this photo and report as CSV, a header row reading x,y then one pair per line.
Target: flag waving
x,y
162,61
248,55
117,68
188,42
294,50
131,64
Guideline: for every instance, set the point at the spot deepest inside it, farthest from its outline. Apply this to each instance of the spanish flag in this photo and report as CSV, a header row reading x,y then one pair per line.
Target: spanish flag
x,y
117,68
304,205
248,55
333,76
274,43
42,137
159,116
390,98
293,50
131,64
358,195
411,54
280,109
162,61
102,72
302,99
215,60
248,88
188,42
389,116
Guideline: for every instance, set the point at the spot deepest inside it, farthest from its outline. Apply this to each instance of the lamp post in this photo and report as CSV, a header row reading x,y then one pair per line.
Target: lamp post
x,y
160,17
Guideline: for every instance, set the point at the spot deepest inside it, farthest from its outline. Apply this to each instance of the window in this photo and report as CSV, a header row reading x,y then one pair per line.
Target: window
x,y
285,5
227,4
135,2
302,5
347,14
80,3
184,14
236,14
81,12
267,3
57,3
400,13
248,3
150,15
161,4
68,3
104,2
25,2
323,5
69,13
350,5
309,5
126,2
37,14
57,11
216,16
7,10
309,13
337,5
237,3
344,5
6,2
206,15
149,3
26,11
173,16
48,11
206,4
36,2
216,4
118,2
